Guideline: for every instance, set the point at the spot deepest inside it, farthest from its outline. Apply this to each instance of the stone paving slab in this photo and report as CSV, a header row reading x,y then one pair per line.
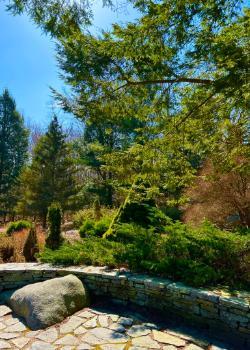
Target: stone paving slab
x,y
104,331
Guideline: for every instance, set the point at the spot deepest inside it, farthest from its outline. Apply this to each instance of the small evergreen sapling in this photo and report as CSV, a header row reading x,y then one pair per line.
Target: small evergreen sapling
x,y
54,218
31,246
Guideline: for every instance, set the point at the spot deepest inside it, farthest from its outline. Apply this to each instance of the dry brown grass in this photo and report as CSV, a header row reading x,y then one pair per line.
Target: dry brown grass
x,y
15,243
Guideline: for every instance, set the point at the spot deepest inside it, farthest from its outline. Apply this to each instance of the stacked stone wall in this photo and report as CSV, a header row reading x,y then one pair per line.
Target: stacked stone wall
x,y
226,313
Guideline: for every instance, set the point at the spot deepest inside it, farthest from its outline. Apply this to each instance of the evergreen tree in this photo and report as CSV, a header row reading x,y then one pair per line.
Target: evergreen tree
x,y
54,238
99,140
50,177
13,151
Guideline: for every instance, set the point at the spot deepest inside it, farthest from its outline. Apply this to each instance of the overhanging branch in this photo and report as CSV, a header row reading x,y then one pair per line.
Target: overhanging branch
x,y
167,81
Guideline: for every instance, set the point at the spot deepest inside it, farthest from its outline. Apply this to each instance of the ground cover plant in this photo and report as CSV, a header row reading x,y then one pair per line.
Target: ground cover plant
x,y
204,256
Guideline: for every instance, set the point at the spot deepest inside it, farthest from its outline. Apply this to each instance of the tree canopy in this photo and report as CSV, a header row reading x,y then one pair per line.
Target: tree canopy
x,y
50,177
179,70
13,151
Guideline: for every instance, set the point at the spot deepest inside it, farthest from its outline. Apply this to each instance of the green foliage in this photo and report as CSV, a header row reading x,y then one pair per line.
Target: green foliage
x,y
94,228
17,226
204,256
87,228
54,238
144,214
91,251
13,152
51,175
129,233
88,213
30,246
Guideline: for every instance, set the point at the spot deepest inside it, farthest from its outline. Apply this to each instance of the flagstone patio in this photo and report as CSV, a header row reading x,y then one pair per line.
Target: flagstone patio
x,y
97,328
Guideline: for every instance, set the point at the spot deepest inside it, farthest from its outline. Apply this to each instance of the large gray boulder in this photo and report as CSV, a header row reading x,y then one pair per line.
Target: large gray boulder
x,y
46,303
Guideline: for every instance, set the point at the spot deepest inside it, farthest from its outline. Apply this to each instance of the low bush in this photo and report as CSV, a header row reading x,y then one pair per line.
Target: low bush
x,y
17,226
200,257
92,228
204,256
90,251
128,233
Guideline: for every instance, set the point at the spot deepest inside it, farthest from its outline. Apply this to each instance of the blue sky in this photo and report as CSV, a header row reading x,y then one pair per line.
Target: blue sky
x,y
27,61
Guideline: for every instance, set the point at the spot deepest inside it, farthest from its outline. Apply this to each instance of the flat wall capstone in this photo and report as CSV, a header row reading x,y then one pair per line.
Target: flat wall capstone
x,y
230,314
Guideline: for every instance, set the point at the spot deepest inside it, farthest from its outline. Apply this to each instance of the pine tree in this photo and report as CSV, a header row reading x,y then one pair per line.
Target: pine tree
x,y
54,238
13,151
50,177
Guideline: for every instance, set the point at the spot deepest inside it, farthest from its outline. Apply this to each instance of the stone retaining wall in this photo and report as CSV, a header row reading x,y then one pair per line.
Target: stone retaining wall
x,y
228,314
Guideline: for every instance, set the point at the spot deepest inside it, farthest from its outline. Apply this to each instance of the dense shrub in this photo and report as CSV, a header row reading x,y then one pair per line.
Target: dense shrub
x,y
17,226
128,233
145,215
91,251
54,218
92,228
204,256
30,246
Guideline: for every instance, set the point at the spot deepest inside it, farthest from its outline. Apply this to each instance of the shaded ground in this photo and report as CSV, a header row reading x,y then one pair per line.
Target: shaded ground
x,y
106,326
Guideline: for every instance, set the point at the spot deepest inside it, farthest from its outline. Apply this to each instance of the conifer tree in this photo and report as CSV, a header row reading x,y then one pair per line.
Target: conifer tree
x,y
50,177
54,238
13,151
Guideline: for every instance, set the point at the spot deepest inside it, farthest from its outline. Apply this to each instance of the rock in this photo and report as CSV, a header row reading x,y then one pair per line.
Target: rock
x,y
103,321
32,334
86,314
113,347
80,330
193,347
20,342
8,336
11,321
4,310
84,347
168,338
17,327
71,324
108,335
4,345
169,347
117,328
138,331
150,325
92,323
67,340
45,303
91,339
145,342
114,317
125,321
49,335
2,326
40,345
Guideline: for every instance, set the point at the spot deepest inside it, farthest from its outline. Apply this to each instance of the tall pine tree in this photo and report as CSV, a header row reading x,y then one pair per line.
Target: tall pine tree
x,y
50,177
13,152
